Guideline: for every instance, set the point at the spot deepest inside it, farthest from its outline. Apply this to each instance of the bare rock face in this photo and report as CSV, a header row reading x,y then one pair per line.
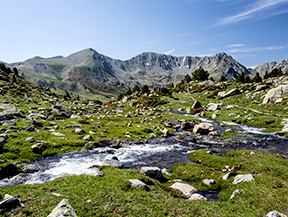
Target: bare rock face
x,y
64,208
203,128
153,172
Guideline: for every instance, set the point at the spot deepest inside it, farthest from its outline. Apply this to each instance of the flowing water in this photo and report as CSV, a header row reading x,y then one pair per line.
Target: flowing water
x,y
161,152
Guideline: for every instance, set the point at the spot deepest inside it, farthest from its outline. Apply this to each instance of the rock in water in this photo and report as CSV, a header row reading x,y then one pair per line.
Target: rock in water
x,y
64,208
112,143
113,163
203,128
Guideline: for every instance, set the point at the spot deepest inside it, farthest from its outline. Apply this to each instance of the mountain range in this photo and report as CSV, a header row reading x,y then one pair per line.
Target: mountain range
x,y
93,72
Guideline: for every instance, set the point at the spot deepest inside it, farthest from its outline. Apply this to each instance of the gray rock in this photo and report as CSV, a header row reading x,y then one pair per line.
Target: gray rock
x,y
31,129
73,126
224,94
243,178
86,137
30,168
112,143
2,141
275,93
96,172
113,163
153,172
3,135
185,189
275,214
64,208
226,176
38,115
8,109
209,181
196,105
9,202
213,106
203,128
187,125
65,113
197,196
166,172
262,87
78,131
136,183
8,123
57,134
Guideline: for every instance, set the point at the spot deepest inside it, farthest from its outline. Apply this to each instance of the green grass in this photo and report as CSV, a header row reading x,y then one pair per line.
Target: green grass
x,y
112,195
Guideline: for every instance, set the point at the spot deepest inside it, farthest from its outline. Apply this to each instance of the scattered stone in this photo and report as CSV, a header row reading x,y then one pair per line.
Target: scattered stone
x,y
224,94
65,113
86,137
30,168
30,139
209,182
214,133
31,129
197,196
262,87
153,172
196,105
185,189
234,193
57,134
113,163
203,128
179,138
8,123
78,131
2,141
243,178
166,172
57,195
226,176
136,183
187,125
112,143
278,101
213,106
64,208
96,172
38,115
275,214
74,116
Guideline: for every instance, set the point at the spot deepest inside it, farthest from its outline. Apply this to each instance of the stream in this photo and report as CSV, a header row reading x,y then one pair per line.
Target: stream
x,y
161,152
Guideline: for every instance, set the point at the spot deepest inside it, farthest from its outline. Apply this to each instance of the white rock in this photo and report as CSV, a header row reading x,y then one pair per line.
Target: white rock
x,y
186,189
138,184
275,214
243,178
197,196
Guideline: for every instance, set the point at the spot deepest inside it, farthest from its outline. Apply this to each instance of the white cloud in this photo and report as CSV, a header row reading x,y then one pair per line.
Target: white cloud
x,y
236,45
169,52
254,9
247,50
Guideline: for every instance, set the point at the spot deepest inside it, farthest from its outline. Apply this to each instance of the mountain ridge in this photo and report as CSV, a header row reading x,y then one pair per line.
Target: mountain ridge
x,y
89,70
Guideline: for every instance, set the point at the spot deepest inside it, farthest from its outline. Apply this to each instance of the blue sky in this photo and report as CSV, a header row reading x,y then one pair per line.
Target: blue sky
x,y
251,31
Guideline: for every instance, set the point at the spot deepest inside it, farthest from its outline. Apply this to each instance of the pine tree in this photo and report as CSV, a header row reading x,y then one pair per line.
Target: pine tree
x,y
241,78
200,74
257,78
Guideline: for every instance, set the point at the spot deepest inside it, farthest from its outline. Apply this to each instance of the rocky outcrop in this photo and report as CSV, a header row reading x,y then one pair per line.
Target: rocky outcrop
x,y
112,143
275,93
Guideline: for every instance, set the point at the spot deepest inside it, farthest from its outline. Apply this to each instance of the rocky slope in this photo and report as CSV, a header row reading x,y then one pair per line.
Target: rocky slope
x,y
270,66
89,70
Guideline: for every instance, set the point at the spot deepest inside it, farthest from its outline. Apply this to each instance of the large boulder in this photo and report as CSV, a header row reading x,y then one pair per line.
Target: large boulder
x,y
112,143
185,189
9,202
203,128
197,196
275,93
64,208
153,172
